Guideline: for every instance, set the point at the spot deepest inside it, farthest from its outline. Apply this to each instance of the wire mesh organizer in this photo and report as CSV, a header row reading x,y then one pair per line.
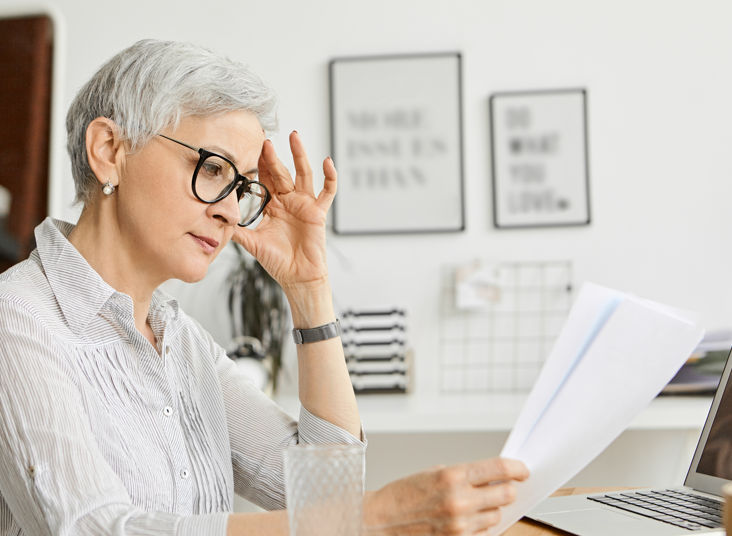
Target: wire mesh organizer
x,y
498,322
375,344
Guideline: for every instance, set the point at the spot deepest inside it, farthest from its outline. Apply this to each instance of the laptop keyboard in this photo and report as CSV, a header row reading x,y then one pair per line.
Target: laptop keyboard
x,y
680,508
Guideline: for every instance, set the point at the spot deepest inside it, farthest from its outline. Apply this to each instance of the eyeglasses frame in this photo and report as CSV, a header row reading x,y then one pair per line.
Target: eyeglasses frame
x,y
239,179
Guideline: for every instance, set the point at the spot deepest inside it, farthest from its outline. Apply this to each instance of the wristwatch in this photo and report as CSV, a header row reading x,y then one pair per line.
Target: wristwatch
x,y
321,333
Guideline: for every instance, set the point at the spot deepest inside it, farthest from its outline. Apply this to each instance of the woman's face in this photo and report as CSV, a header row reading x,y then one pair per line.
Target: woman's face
x,y
170,233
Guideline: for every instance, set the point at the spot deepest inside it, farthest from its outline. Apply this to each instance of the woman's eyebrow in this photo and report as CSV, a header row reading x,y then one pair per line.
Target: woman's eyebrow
x,y
229,156
223,152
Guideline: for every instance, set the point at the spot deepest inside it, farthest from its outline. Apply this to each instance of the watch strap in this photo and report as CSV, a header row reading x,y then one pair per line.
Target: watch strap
x,y
320,333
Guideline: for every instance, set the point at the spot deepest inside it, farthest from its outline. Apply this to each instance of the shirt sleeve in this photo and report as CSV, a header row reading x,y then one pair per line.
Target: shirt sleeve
x,y
53,477
259,431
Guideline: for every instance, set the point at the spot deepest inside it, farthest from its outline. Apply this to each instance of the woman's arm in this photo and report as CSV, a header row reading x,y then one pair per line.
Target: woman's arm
x,y
462,499
262,524
259,430
324,383
289,243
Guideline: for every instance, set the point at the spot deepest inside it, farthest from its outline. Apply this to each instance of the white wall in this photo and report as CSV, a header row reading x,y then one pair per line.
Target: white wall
x,y
657,74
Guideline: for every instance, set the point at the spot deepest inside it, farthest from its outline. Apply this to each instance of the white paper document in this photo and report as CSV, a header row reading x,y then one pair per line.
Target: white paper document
x,y
614,355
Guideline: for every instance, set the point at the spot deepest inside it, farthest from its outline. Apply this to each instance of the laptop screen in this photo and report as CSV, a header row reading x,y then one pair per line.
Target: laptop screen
x,y
711,466
716,457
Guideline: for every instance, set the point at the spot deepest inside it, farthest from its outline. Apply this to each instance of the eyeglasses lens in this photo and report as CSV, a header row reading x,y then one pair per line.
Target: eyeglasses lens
x,y
251,201
214,178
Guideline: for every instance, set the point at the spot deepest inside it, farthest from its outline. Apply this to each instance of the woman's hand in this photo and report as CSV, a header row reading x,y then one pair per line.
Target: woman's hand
x,y
289,242
462,499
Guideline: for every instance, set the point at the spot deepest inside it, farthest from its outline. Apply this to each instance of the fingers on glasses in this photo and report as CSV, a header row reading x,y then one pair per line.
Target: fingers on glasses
x,y
272,172
275,176
303,171
326,195
304,174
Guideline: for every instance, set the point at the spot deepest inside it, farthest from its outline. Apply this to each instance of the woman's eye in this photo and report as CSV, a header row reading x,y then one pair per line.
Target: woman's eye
x,y
211,169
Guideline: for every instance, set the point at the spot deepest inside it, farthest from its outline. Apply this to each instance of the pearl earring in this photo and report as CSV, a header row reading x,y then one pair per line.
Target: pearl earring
x,y
108,188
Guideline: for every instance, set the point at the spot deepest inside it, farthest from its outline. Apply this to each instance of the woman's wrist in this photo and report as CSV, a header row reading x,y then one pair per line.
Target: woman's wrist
x,y
373,519
311,304
274,523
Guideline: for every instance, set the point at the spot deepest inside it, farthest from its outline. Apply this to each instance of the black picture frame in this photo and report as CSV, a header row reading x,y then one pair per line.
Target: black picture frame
x,y
539,158
397,142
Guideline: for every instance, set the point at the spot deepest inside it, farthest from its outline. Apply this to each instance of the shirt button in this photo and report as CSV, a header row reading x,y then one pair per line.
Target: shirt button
x,y
167,411
184,474
167,349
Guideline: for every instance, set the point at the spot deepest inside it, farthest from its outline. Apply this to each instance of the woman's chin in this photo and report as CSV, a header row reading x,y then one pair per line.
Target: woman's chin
x,y
192,274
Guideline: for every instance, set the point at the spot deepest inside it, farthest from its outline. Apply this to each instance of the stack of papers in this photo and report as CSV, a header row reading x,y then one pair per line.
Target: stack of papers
x,y
614,355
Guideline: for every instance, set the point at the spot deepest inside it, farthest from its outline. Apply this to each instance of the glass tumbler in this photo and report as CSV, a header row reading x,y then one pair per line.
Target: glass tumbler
x,y
324,489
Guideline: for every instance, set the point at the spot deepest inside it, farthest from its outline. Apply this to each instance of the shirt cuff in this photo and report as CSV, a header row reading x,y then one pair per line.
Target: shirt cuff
x,y
313,430
167,524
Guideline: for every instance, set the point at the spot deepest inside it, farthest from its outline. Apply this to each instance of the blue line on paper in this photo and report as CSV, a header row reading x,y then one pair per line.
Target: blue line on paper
x,y
601,320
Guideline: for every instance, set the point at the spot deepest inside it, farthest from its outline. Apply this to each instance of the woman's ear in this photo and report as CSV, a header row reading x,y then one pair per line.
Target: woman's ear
x,y
104,150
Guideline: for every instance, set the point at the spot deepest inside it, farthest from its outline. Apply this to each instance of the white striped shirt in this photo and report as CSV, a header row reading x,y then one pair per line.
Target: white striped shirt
x,y
100,434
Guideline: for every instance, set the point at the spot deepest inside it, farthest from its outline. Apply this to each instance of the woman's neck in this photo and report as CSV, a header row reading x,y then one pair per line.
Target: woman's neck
x,y
99,241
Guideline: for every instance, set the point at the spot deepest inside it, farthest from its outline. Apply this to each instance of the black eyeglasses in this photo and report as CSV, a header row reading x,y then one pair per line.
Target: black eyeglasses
x,y
215,177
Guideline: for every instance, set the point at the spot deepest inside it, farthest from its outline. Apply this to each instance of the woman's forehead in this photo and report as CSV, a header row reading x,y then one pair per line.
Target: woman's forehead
x,y
236,135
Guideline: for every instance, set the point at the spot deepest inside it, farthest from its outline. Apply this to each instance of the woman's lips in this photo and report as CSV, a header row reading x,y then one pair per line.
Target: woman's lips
x,y
209,245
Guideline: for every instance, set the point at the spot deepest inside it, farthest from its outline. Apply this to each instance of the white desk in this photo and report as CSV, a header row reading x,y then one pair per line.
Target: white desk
x,y
408,433
402,414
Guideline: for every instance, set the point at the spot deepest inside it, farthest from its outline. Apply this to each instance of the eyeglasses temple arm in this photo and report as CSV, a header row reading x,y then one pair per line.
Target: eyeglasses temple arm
x,y
197,149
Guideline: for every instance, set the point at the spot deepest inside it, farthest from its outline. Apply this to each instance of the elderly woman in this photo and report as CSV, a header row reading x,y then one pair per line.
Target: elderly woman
x,y
119,413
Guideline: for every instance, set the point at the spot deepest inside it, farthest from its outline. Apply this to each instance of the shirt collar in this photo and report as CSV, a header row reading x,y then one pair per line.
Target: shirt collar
x,y
80,291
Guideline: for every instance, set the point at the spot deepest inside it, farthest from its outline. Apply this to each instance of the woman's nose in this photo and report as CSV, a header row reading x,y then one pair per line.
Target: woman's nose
x,y
226,209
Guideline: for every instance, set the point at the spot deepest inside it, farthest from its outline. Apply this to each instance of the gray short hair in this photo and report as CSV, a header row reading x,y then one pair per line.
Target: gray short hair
x,y
153,85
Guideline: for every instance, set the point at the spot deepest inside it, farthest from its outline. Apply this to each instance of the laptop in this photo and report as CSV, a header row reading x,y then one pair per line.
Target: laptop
x,y
694,508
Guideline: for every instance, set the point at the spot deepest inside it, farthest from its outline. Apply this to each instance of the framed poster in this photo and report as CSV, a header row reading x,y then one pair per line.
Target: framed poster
x,y
396,139
539,158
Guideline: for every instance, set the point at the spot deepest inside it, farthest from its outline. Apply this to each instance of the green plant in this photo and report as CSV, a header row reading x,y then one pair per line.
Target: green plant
x,y
258,310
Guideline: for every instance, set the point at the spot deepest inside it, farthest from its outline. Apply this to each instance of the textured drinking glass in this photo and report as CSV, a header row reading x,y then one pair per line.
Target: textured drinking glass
x,y
324,489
